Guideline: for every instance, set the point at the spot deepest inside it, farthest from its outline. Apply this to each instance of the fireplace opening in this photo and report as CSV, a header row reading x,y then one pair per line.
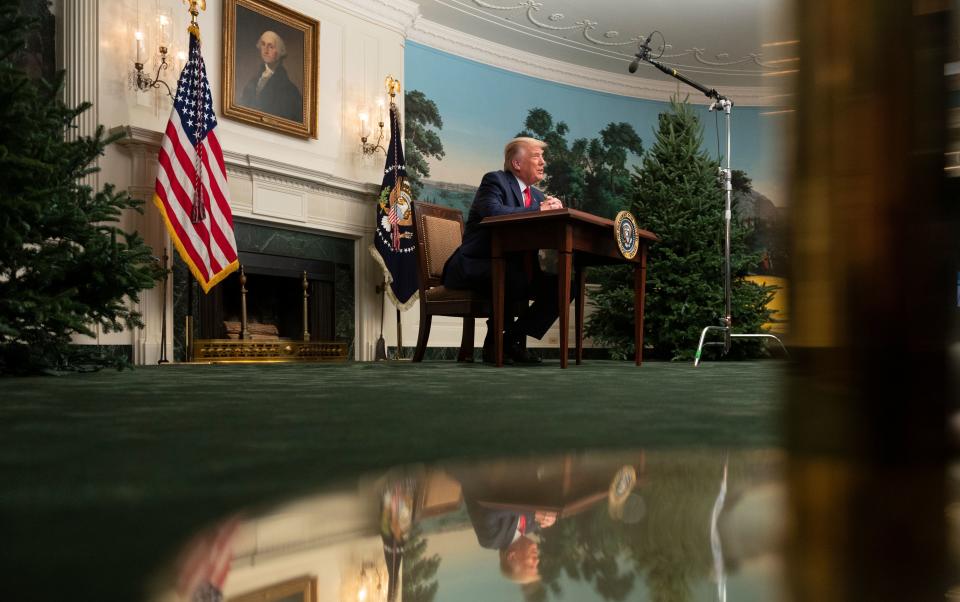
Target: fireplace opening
x,y
274,307
274,301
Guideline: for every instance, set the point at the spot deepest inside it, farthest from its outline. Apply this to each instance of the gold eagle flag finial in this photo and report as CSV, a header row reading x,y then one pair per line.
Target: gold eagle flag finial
x,y
195,7
393,87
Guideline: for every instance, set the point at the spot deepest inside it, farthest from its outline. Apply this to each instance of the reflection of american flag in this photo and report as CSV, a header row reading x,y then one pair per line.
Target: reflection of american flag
x,y
191,191
205,565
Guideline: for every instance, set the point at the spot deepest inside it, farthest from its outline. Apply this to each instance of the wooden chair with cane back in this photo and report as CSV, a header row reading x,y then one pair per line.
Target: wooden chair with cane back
x,y
439,231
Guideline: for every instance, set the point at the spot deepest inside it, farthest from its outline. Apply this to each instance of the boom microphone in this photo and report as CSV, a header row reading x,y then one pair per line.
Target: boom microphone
x,y
642,52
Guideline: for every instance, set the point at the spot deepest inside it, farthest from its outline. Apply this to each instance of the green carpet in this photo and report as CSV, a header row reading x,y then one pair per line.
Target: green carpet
x,y
105,474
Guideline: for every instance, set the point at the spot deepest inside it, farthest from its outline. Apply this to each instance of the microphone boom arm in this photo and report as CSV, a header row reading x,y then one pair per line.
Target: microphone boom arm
x,y
708,92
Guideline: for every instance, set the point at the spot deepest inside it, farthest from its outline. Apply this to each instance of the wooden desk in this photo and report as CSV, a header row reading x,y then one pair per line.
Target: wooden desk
x,y
581,240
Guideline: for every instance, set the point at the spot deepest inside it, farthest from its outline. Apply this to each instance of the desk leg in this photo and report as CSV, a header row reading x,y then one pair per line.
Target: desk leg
x,y
497,301
564,264
581,280
639,290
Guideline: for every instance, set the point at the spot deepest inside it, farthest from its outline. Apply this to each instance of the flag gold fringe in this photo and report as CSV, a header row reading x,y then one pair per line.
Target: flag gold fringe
x,y
386,275
217,278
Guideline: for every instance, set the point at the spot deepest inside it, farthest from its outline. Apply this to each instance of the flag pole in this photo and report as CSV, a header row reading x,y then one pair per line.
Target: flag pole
x,y
163,315
393,87
188,335
400,352
195,7
381,350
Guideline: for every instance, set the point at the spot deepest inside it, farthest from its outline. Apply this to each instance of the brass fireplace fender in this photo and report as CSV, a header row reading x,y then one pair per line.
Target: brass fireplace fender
x,y
246,351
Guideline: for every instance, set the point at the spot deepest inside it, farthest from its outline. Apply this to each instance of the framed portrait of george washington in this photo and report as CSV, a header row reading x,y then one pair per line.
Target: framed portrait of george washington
x,y
270,67
301,589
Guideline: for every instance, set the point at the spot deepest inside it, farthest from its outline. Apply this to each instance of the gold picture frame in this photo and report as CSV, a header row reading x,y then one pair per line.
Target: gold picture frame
x,y
301,589
270,57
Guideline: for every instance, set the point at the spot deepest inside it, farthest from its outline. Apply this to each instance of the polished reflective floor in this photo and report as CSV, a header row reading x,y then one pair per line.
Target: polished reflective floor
x,y
408,482
626,525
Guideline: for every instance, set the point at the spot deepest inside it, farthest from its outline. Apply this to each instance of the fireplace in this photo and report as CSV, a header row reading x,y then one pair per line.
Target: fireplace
x,y
278,266
274,298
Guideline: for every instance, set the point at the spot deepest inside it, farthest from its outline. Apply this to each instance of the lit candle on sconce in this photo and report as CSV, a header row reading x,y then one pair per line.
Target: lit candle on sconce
x,y
366,129
380,103
164,30
364,116
138,38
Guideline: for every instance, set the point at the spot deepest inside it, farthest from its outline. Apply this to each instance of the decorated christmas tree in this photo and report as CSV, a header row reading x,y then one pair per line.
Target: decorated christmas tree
x,y
66,266
678,196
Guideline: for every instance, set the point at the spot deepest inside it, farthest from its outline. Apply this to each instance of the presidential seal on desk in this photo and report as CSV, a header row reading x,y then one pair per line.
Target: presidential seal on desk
x,y
625,230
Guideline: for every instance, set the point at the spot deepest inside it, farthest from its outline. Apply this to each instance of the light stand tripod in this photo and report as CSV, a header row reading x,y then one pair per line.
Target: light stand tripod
x,y
723,103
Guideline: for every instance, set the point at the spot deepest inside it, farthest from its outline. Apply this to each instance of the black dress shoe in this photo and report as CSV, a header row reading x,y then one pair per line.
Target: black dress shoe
x,y
490,357
524,356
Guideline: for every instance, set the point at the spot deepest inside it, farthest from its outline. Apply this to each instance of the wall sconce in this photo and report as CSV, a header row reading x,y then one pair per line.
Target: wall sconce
x,y
370,585
142,81
393,88
364,115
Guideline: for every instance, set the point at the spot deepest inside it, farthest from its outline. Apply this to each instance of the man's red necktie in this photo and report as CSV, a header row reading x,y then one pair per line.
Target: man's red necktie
x,y
527,197
522,525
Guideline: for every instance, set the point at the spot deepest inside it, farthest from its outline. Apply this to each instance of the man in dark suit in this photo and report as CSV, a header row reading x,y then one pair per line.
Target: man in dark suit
x,y
271,90
514,533
501,193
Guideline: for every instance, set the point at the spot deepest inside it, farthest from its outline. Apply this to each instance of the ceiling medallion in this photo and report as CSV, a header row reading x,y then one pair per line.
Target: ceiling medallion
x,y
586,26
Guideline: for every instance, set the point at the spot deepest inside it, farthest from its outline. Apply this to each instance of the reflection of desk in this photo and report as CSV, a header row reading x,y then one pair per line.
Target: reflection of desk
x,y
567,484
581,240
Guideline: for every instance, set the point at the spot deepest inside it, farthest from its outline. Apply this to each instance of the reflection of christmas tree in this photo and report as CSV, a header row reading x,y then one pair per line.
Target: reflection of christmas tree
x,y
587,547
668,549
419,571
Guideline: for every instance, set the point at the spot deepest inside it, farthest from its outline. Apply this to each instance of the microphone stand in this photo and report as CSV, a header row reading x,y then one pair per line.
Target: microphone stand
x,y
723,103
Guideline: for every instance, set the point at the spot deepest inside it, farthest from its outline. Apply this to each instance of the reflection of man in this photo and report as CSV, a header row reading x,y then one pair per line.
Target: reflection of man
x,y
501,193
514,534
271,90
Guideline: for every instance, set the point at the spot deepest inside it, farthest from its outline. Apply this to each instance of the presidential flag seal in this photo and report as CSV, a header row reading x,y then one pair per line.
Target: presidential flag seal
x,y
625,231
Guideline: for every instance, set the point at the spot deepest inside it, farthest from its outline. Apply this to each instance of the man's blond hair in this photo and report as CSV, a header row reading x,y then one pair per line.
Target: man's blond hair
x,y
516,147
512,572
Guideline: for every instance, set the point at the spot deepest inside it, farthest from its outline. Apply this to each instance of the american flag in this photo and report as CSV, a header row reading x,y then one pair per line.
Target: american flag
x,y
191,191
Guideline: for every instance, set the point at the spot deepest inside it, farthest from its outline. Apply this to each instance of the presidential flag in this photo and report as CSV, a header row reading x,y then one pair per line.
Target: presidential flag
x,y
394,243
191,191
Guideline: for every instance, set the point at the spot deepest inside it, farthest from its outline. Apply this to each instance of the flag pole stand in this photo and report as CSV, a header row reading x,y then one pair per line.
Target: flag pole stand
x,y
380,354
400,355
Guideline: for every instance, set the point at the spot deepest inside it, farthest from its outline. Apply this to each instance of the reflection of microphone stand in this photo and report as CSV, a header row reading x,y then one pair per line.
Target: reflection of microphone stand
x,y
716,545
723,103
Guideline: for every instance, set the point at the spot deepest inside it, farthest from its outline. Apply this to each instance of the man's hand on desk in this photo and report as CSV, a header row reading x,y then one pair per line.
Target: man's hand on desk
x,y
551,202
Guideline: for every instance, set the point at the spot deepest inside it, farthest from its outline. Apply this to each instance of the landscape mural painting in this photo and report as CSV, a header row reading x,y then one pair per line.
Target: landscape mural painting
x,y
460,113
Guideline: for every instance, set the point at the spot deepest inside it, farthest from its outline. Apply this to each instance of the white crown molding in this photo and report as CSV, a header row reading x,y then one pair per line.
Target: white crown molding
x,y
263,168
396,15
452,41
